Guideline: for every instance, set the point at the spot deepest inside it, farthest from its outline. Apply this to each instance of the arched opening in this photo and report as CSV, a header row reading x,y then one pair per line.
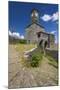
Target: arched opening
x,y
45,44
40,43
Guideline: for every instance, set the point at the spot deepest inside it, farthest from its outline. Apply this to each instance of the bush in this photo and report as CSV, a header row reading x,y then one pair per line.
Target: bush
x,y
22,41
36,58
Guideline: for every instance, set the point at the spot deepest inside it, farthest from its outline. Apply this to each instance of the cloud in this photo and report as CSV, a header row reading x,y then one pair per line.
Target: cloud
x,y
22,37
53,32
16,35
47,17
55,16
10,33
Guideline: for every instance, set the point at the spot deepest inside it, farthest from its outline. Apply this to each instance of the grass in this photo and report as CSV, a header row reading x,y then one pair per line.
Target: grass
x,y
24,47
43,73
21,48
52,61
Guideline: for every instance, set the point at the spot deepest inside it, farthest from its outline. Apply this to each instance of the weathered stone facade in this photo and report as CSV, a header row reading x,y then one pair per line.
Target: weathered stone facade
x,y
31,33
35,33
45,39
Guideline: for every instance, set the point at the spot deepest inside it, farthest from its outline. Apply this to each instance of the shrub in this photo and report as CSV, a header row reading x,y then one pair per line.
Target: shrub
x,y
22,41
36,58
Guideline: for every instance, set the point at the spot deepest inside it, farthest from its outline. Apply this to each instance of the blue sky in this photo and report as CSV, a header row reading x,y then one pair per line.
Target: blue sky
x,y
19,17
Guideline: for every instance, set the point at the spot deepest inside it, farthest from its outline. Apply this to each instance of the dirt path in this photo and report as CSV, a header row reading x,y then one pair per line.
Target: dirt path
x,y
21,76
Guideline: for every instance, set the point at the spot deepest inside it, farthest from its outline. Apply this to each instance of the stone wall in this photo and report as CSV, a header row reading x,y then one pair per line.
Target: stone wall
x,y
53,53
52,40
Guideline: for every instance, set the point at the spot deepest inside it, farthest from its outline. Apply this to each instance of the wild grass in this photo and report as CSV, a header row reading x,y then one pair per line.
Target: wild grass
x,y
52,61
21,48
45,73
24,47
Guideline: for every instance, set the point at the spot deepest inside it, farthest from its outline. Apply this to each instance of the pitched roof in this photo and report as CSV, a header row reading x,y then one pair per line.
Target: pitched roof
x,y
36,24
45,33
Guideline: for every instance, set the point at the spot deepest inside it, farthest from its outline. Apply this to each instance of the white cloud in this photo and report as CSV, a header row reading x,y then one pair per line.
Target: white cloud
x,y
53,32
10,33
55,16
22,37
47,17
16,35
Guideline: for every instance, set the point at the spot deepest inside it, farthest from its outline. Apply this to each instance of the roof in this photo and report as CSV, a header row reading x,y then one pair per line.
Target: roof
x,y
45,33
36,24
42,32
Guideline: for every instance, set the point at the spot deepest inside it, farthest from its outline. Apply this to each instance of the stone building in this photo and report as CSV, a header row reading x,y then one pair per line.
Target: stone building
x,y
35,33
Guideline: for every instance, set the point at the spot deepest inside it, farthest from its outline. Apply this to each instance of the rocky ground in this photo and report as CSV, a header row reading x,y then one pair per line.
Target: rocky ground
x,y
19,75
